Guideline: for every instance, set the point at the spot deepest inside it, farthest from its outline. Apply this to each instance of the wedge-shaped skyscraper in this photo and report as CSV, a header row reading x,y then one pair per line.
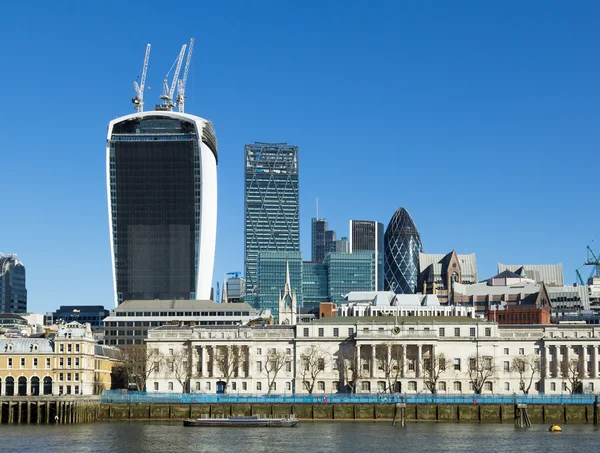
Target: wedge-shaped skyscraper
x,y
162,205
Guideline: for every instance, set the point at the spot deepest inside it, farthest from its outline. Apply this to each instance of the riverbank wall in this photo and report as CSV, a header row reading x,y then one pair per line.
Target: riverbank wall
x,y
452,413
48,409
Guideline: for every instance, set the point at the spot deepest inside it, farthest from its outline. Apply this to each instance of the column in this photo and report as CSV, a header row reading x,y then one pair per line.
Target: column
x,y
200,364
546,362
584,359
389,357
595,362
403,352
373,360
566,358
358,361
419,360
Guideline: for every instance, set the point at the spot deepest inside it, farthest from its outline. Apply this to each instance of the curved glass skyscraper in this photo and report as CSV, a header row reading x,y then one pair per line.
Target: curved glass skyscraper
x,y
402,247
161,170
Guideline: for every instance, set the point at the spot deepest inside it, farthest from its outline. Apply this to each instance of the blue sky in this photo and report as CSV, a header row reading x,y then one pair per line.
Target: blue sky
x,y
480,118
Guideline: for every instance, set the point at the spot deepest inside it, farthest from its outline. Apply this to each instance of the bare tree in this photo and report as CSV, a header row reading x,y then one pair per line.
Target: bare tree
x,y
480,369
348,367
276,360
139,362
527,366
391,363
432,368
98,386
572,372
313,362
179,365
229,359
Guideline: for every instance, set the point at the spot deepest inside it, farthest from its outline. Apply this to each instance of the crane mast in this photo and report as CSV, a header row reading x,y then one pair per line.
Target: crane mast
x,y
138,100
182,82
168,93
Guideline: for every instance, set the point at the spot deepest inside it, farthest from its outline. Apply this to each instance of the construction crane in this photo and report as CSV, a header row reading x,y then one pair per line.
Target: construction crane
x,y
138,100
182,82
592,260
168,93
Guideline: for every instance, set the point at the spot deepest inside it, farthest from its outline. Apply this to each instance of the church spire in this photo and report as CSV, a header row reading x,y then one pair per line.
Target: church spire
x,y
288,285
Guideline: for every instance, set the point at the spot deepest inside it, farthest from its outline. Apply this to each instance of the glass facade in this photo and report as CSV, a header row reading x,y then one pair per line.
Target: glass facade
x,y
271,203
368,235
349,272
155,203
13,293
314,284
402,248
271,275
318,229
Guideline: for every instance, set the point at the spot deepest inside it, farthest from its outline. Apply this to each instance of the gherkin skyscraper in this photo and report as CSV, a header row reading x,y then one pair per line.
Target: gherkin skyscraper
x,y
402,247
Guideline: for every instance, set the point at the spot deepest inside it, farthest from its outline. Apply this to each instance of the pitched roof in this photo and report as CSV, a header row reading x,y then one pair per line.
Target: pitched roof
x,y
468,263
550,274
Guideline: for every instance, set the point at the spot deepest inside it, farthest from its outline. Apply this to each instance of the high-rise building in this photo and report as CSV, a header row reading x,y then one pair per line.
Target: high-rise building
x,y
234,288
330,240
349,272
13,293
402,248
318,231
271,204
368,235
342,245
314,284
162,205
272,269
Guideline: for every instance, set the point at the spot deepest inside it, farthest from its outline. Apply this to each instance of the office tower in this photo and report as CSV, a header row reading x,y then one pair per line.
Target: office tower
x,y
368,235
314,284
271,204
402,248
330,239
318,230
234,288
350,272
13,293
342,245
271,270
162,195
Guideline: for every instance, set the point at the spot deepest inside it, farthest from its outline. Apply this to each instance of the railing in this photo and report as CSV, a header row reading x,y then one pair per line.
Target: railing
x,y
115,396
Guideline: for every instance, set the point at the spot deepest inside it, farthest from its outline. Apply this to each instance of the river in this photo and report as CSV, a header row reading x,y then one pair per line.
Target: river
x,y
343,437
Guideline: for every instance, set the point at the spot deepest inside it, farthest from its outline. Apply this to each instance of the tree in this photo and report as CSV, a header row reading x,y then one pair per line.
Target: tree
x,y
139,362
527,366
229,359
276,360
572,372
348,367
313,362
480,369
391,363
431,369
179,365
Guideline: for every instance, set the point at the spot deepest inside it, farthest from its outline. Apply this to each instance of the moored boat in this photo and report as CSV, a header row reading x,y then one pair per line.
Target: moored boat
x,y
252,421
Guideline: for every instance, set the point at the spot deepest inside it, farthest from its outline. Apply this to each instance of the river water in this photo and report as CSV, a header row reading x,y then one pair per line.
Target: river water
x,y
308,437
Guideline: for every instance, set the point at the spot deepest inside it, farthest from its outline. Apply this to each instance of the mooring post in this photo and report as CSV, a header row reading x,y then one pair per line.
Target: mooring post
x,y
595,417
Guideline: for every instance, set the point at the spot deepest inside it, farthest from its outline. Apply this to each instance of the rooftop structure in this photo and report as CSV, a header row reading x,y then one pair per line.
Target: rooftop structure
x,y
550,274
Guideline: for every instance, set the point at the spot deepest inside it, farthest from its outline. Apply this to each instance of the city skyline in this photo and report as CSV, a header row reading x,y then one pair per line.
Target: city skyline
x,y
458,108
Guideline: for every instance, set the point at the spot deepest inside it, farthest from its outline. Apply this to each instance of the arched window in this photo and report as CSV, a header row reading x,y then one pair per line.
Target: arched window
x,y
10,386
35,385
381,386
22,386
457,386
47,385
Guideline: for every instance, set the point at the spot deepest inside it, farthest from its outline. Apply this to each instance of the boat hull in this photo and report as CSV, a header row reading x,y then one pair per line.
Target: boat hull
x,y
241,423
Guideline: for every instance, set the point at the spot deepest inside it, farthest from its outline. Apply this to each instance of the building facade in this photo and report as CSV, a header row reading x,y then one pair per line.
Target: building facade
x,y
318,229
438,273
367,355
161,170
93,314
69,362
271,279
350,272
402,244
271,205
130,322
367,235
13,292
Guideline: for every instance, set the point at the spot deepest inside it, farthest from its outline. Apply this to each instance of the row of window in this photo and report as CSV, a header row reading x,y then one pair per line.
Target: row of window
x,y
181,313
321,332
442,331
61,347
22,361
61,376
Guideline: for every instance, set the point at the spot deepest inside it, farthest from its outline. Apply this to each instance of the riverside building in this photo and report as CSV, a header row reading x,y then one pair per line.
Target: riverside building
x,y
378,354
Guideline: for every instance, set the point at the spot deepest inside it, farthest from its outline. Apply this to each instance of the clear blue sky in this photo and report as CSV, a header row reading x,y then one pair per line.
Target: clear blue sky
x,y
481,118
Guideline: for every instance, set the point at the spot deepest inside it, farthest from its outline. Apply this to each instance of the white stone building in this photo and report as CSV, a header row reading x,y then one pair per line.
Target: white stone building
x,y
376,354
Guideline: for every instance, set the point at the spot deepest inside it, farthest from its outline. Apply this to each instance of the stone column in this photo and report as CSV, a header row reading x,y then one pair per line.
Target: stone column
x,y
595,362
584,359
389,356
546,362
201,353
419,360
373,360
404,358
358,360
566,358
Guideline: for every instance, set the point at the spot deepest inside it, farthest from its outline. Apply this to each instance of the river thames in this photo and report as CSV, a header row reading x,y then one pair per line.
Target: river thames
x,y
340,437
